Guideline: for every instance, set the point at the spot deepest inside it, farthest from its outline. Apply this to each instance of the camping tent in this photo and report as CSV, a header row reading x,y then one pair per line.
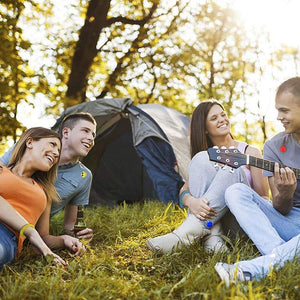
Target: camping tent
x,y
140,152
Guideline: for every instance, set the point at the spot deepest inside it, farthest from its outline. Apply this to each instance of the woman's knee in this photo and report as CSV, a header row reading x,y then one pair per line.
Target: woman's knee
x,y
2,252
233,191
200,157
7,252
5,255
200,160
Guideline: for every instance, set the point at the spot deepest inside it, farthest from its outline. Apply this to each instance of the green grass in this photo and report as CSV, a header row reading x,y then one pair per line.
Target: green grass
x,y
118,265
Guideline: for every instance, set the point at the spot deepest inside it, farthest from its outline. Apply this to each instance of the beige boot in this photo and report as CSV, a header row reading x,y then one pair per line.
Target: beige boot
x,y
214,241
190,230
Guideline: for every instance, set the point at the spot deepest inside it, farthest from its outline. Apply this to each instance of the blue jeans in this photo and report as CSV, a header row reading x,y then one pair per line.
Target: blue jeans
x,y
8,246
209,180
261,266
264,225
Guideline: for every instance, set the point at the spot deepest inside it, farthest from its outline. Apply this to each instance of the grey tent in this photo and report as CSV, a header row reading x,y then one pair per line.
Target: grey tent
x,y
140,152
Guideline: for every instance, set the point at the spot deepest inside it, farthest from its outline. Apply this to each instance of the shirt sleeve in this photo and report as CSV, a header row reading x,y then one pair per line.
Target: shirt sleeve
x,y
6,156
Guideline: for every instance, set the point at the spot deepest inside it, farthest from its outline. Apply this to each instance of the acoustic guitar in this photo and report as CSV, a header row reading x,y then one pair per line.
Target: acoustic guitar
x,y
234,158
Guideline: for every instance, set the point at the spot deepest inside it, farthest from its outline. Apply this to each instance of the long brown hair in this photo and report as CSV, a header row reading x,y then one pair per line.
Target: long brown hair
x,y
45,179
199,140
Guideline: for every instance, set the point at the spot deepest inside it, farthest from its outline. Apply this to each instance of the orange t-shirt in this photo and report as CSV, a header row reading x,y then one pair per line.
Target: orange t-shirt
x,y
28,199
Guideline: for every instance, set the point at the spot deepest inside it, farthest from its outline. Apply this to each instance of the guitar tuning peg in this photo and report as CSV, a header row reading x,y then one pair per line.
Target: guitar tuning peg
x,y
223,147
224,167
215,147
231,170
231,147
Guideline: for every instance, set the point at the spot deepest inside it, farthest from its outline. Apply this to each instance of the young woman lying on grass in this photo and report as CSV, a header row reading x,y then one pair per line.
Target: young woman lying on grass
x,y
204,192
26,194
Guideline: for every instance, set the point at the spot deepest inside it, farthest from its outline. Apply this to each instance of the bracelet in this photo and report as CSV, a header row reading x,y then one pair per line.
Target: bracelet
x,y
181,198
24,228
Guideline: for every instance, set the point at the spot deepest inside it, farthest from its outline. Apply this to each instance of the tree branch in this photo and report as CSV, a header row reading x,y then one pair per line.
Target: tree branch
x,y
125,20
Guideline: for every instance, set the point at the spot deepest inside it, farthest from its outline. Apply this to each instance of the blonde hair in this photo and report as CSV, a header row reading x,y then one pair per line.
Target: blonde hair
x,y
45,179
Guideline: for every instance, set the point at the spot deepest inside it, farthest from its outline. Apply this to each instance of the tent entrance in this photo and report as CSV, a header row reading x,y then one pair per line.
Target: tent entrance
x,y
118,172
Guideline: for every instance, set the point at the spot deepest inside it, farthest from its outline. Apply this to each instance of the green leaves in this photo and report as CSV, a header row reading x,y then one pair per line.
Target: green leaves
x,y
176,53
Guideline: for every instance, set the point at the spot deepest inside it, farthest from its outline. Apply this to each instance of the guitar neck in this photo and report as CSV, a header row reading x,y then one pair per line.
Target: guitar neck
x,y
269,165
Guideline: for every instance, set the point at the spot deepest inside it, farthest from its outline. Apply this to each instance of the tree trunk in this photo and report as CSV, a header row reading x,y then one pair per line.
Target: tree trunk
x,y
85,51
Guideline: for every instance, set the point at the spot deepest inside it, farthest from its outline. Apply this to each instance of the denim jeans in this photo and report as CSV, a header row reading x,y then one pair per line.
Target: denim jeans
x,y
8,246
210,180
264,225
261,266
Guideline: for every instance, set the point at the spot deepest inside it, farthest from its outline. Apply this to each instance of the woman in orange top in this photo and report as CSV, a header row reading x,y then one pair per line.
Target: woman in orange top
x,y
26,191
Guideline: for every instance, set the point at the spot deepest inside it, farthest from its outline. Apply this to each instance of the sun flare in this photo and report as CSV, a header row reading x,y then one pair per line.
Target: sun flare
x,y
279,17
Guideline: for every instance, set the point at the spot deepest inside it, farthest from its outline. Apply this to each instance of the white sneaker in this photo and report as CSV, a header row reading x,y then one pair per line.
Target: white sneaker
x,y
189,231
231,273
214,241
163,243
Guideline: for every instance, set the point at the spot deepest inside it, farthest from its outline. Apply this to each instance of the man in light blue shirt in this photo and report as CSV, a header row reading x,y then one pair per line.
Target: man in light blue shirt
x,y
273,226
73,178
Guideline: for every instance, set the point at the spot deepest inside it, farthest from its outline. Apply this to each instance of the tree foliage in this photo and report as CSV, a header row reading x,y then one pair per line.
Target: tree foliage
x,y
15,73
173,52
174,49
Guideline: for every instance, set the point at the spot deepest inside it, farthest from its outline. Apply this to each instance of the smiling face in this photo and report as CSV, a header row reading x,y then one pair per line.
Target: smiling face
x,y
217,122
45,152
288,107
80,139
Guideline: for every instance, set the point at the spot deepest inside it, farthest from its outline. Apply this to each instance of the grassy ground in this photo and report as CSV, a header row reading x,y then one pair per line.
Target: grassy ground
x,y
117,264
